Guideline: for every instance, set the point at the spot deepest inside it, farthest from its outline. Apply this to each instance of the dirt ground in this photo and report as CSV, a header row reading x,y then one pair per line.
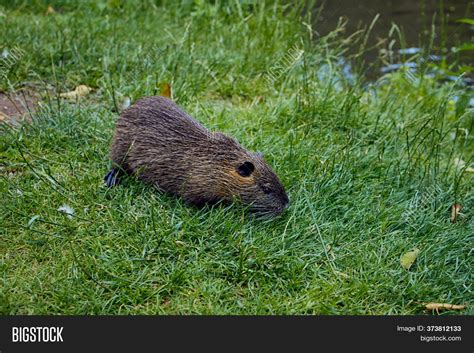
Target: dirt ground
x,y
17,106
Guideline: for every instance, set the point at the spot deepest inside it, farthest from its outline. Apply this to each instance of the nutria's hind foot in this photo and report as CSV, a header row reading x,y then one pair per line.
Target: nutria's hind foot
x,y
112,178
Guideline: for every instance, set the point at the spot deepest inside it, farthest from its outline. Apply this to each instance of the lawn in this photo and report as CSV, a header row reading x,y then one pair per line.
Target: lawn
x,y
372,170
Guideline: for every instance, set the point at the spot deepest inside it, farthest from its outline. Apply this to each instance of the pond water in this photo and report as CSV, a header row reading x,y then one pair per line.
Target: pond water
x,y
414,18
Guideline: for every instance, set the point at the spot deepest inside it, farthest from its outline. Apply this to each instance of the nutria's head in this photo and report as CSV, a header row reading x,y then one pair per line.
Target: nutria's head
x,y
255,183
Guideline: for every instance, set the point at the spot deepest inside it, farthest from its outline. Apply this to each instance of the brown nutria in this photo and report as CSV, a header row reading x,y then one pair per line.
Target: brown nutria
x,y
167,148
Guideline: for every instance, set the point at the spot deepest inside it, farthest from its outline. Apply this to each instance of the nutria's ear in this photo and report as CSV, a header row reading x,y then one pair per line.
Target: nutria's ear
x,y
245,169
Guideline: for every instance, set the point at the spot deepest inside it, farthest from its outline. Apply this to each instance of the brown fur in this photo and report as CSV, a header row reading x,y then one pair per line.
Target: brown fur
x,y
166,147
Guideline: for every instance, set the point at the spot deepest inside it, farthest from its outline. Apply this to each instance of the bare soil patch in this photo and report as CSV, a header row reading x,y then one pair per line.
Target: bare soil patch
x,y
17,106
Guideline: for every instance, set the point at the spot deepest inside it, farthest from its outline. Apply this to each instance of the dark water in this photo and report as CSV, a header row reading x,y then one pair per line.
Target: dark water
x,y
415,19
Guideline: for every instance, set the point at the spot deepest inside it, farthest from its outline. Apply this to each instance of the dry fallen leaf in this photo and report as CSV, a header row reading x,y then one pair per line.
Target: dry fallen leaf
x,y
409,258
79,91
166,91
82,90
50,10
3,117
443,306
455,210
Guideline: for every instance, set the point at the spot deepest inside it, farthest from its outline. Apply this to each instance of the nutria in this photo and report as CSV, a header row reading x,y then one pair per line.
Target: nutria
x,y
167,148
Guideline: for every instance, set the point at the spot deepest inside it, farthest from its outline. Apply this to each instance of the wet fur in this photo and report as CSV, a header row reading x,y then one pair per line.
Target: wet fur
x,y
169,149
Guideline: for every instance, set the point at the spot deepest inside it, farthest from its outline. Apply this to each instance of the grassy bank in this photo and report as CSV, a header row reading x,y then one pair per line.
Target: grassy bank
x,y
371,172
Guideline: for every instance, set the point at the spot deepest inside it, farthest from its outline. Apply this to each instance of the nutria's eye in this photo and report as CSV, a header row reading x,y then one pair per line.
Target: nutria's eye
x,y
245,169
266,189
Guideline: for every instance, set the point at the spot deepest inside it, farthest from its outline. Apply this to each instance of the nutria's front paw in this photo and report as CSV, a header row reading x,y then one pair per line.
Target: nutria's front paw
x,y
112,179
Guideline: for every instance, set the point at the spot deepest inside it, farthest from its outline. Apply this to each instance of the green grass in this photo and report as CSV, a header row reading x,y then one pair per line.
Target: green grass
x,y
370,172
